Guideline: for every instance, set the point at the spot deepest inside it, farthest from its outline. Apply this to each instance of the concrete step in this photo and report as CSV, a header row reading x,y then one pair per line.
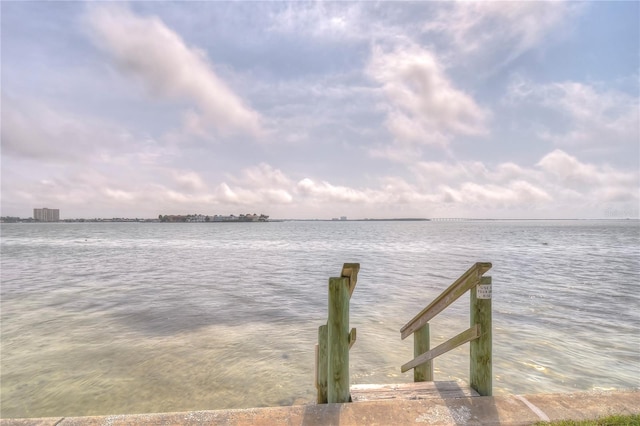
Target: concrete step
x,y
410,391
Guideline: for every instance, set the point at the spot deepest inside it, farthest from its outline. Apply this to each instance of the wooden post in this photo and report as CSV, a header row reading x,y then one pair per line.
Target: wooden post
x,y
481,370
322,364
424,372
338,341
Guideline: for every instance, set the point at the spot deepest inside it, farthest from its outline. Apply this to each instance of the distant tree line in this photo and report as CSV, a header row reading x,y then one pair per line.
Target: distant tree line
x,y
216,218
14,219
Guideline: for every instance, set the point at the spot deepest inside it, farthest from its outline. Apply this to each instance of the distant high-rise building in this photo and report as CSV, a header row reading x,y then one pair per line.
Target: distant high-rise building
x,y
46,215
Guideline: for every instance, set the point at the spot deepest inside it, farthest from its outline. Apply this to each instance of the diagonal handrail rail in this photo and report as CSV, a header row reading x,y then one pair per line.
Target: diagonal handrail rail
x,y
458,288
460,339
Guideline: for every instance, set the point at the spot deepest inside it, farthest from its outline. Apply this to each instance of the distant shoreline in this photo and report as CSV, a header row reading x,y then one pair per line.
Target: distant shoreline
x,y
400,219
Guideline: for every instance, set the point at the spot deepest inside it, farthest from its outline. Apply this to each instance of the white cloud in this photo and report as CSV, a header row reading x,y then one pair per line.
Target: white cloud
x,y
118,195
146,48
328,192
432,171
424,106
261,198
501,31
588,187
226,194
474,184
347,22
264,175
35,131
32,129
592,117
260,185
472,188
558,182
567,171
490,196
318,19
188,181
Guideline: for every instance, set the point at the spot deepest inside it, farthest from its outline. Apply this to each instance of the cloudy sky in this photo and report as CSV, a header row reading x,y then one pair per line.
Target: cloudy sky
x,y
318,110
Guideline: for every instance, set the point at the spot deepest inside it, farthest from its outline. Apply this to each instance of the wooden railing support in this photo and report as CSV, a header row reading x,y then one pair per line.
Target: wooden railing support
x,y
321,364
421,344
338,341
335,339
480,351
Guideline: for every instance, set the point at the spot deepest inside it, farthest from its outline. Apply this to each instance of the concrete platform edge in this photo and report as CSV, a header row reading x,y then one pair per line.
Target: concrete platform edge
x,y
498,410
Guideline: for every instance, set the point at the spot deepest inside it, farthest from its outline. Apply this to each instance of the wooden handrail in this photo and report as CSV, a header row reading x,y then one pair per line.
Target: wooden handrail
x,y
335,339
469,279
479,334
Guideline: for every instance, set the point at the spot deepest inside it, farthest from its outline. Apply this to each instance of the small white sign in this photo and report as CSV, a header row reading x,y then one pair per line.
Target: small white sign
x,y
483,291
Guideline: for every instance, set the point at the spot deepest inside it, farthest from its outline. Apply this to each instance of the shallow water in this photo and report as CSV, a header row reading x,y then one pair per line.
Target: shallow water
x,y
107,318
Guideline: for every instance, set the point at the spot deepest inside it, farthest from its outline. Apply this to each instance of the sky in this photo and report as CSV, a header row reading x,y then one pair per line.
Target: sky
x,y
308,110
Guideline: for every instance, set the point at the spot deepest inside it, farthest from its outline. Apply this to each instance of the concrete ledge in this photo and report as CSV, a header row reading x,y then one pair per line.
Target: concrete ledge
x,y
499,410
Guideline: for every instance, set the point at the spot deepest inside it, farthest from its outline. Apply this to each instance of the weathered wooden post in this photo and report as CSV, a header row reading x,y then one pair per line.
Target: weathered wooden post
x,y
421,344
481,369
338,340
322,364
335,339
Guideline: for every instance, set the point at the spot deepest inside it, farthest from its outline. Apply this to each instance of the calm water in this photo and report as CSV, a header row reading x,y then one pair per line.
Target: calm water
x,y
140,317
